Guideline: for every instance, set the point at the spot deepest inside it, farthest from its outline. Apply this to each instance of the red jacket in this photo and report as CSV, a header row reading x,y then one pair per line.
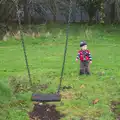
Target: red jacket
x,y
84,55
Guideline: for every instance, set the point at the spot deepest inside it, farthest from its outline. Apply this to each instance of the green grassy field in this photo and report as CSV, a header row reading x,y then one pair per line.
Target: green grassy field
x,y
45,56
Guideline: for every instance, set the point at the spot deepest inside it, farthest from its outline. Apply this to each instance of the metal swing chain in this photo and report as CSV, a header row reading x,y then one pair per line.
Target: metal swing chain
x,y
22,42
66,44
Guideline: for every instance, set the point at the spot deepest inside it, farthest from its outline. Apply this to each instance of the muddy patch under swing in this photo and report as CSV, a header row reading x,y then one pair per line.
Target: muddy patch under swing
x,y
115,107
45,112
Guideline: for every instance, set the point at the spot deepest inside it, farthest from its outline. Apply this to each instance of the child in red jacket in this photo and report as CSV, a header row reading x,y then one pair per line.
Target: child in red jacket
x,y
85,58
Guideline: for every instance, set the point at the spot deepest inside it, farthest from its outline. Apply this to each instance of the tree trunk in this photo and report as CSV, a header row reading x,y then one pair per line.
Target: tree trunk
x,y
90,20
112,14
117,11
26,12
107,13
53,9
54,17
91,14
74,11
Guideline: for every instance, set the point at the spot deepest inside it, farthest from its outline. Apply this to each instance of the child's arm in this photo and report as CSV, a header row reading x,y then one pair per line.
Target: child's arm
x,y
78,56
90,57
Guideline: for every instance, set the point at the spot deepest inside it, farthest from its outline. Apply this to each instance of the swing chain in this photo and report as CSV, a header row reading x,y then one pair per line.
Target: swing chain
x,y
65,50
66,44
22,41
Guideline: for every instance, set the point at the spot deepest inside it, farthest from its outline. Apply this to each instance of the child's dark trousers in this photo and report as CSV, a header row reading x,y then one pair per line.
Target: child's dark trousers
x,y
84,67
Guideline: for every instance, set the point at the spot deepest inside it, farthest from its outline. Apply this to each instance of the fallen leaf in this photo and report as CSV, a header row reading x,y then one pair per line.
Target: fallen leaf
x,y
95,101
82,86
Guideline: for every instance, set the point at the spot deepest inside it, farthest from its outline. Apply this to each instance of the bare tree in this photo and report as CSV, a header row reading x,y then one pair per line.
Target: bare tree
x,y
7,10
90,6
52,5
117,7
63,6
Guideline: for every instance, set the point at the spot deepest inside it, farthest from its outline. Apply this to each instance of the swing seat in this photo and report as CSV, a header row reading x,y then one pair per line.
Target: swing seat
x,y
46,97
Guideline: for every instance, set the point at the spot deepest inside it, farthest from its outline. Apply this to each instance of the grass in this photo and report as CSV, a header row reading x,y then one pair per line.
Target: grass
x,y
45,56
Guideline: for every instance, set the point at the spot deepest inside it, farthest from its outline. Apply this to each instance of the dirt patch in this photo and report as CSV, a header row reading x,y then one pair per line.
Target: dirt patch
x,y
42,86
115,107
69,95
45,112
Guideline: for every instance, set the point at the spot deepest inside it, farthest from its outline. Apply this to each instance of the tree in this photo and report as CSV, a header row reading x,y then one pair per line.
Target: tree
x,y
109,10
7,10
53,8
117,6
63,6
7,13
26,11
49,6
91,6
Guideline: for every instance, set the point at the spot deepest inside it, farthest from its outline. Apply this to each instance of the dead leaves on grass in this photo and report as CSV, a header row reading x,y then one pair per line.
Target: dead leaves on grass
x,y
82,86
34,35
68,95
95,101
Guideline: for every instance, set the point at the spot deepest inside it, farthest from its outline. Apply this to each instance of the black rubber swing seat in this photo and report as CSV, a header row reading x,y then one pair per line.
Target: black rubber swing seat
x,y
46,97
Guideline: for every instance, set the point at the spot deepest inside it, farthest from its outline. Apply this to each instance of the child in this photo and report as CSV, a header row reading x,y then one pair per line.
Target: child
x,y
85,58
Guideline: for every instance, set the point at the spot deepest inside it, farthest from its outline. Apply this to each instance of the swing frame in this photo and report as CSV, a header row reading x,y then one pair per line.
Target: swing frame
x,y
45,97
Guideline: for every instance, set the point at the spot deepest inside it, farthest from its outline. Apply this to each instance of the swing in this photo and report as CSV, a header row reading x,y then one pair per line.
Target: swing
x,y
45,97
